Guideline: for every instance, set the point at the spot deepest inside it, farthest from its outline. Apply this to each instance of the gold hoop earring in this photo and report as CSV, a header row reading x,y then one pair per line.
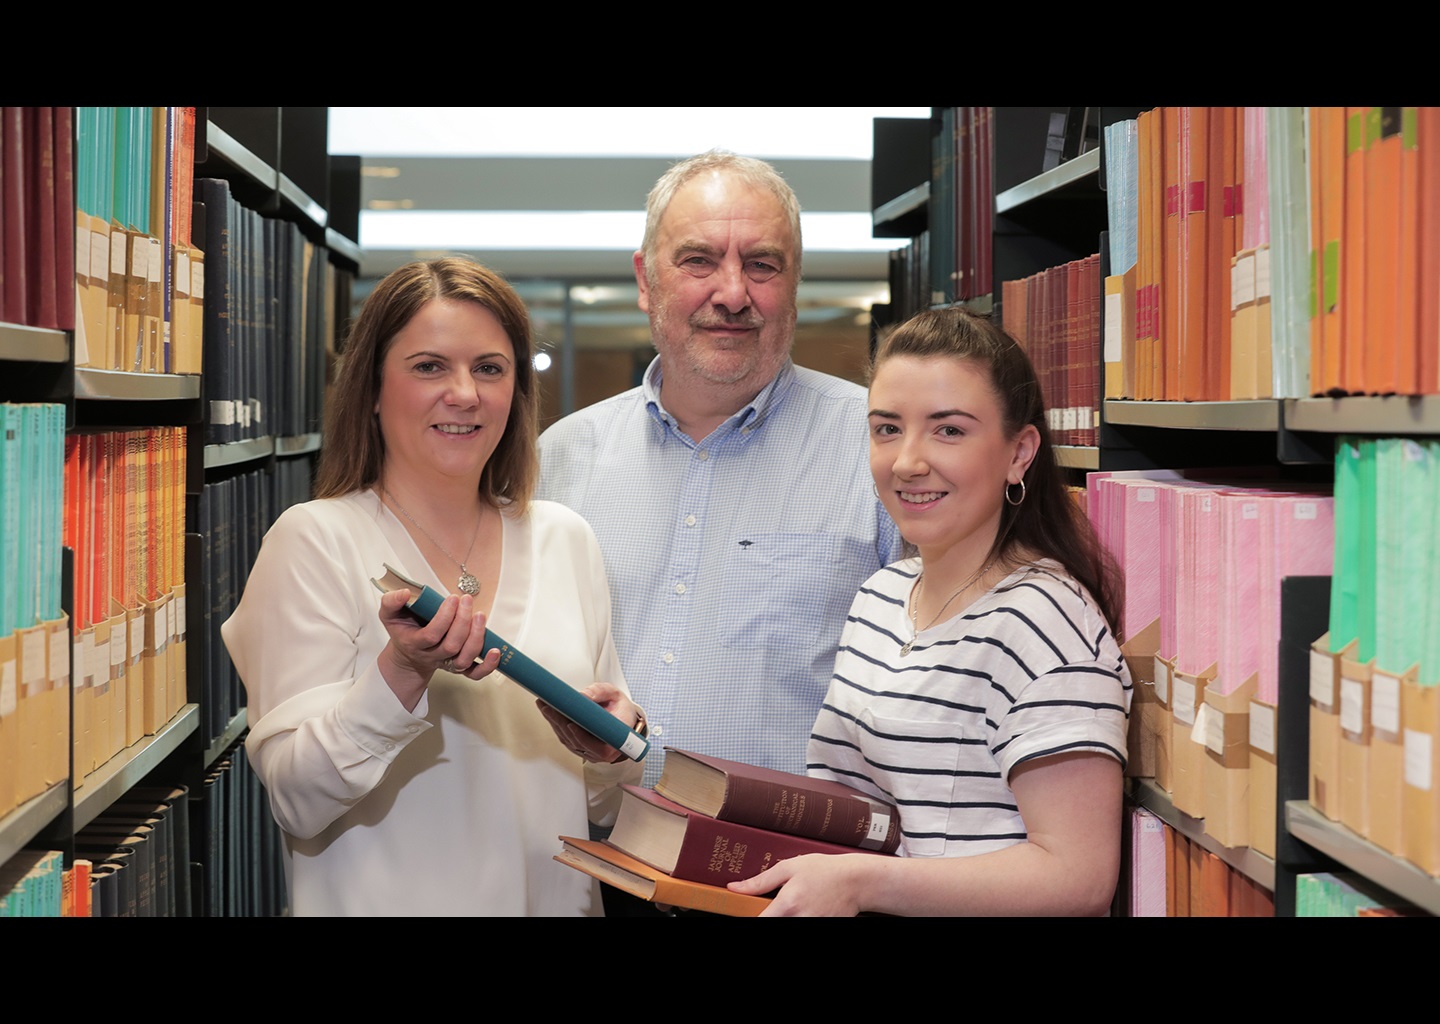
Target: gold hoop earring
x,y
1021,499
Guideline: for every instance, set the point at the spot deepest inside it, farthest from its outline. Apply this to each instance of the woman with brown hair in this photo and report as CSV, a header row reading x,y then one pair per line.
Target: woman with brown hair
x,y
403,783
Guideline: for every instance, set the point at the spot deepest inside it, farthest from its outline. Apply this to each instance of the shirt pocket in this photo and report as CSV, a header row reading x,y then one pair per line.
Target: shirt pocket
x,y
781,590
940,774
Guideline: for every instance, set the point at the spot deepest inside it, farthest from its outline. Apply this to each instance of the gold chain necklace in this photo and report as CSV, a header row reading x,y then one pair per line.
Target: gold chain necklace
x,y
909,645
467,583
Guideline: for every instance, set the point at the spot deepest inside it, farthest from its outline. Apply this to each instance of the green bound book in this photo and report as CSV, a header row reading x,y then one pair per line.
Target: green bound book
x,y
540,681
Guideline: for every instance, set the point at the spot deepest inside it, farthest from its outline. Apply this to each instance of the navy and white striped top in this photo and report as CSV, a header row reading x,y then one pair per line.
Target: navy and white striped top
x,y
1029,670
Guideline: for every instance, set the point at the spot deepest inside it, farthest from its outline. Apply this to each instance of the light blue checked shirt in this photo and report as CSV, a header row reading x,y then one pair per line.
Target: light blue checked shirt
x,y
732,562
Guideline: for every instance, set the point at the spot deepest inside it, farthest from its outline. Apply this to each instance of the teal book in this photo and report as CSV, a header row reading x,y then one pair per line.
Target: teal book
x,y
1344,590
9,514
539,680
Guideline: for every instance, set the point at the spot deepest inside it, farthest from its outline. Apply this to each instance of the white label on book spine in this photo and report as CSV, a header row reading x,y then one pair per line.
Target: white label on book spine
x,y
82,667
99,257
197,278
1145,494
59,654
117,649
1262,727
182,274
1242,281
137,637
1385,702
154,267
179,617
1114,338
9,696
879,827
32,653
1214,729
1204,503
1322,679
1305,510
82,251
140,260
93,665
1200,728
1352,705
1162,680
1413,450
222,412
1262,272
1249,510
1184,706
1417,759
634,746
100,667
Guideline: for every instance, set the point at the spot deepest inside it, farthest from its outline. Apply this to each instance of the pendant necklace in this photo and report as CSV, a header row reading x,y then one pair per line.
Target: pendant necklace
x,y
915,631
467,584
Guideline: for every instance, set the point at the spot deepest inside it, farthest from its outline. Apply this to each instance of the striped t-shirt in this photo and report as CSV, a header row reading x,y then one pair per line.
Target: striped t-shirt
x,y
1029,670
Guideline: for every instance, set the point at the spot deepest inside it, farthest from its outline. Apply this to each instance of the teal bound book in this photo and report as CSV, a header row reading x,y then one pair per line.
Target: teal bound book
x,y
539,680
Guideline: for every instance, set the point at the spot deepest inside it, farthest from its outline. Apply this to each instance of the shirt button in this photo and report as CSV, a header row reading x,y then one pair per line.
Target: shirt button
x,y
702,455
413,728
389,746
689,520
668,658
679,588
657,730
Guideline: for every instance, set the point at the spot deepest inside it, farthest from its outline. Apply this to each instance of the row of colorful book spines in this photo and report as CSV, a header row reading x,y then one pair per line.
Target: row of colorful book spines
x,y
129,162
130,679
1054,314
1201,524
1228,358
1337,363
140,305
124,516
1194,882
32,439
33,883
38,188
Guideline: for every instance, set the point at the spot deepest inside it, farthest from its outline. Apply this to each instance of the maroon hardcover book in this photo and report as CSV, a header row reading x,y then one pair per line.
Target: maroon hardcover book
x,y
779,801
40,209
12,211
688,844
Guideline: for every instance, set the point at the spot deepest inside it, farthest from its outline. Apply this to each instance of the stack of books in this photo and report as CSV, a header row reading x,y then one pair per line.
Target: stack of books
x,y
710,821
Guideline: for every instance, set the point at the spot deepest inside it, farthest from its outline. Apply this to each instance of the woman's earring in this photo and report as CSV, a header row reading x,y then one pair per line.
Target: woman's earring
x,y
876,488
1017,501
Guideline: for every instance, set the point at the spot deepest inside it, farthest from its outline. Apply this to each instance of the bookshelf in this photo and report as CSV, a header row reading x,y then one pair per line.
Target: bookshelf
x,y
277,159
1043,218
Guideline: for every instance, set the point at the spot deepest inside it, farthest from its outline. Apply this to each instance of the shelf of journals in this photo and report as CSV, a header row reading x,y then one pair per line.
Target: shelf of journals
x,y
1334,840
1254,866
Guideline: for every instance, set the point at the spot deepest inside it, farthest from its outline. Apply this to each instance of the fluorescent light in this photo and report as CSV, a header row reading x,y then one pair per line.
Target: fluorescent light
x,y
767,132
618,230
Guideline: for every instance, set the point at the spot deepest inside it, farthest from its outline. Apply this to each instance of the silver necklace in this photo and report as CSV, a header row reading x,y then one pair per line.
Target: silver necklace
x,y
467,583
909,645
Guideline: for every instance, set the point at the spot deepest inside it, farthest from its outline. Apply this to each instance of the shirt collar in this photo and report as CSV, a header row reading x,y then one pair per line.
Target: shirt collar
x,y
749,419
